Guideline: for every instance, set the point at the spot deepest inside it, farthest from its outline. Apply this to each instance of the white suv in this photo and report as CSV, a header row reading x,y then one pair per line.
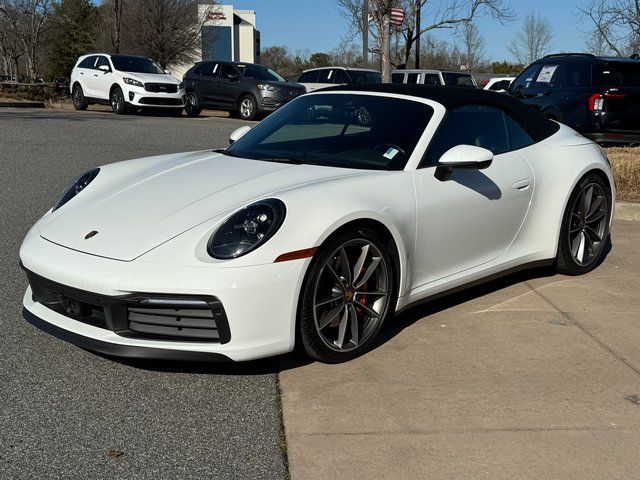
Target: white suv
x,y
124,82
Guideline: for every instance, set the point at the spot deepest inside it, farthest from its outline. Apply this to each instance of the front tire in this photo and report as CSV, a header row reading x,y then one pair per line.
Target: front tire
x,y
192,105
117,101
585,227
349,293
79,102
248,108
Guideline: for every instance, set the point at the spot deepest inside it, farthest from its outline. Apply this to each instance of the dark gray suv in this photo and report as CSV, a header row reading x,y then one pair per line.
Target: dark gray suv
x,y
243,89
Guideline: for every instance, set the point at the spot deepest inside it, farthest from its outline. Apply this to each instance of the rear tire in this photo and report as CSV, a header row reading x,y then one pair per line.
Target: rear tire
x,y
192,105
349,292
584,234
117,101
248,108
79,102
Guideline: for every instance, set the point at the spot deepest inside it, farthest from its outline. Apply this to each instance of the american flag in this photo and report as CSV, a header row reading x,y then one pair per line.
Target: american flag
x,y
397,16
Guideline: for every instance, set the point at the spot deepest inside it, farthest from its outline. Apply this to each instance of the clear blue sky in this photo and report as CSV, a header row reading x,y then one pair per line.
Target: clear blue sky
x,y
316,24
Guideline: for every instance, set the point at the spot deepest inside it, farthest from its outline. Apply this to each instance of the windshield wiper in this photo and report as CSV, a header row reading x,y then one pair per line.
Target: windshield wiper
x,y
226,152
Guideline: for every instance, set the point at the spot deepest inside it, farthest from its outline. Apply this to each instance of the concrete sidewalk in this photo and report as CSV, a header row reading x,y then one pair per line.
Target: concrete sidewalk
x,y
527,377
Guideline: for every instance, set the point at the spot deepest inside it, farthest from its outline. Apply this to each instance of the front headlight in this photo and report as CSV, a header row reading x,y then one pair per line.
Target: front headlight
x,y
132,81
76,187
247,229
266,87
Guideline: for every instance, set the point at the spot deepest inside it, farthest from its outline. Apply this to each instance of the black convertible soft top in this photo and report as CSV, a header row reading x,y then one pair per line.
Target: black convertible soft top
x,y
536,124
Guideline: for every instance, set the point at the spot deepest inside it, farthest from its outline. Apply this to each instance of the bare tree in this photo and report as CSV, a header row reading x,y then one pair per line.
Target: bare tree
x,y
470,52
435,15
27,20
597,44
534,40
166,30
616,24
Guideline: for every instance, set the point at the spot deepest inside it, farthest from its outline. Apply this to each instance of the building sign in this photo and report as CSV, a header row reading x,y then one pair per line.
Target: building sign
x,y
215,16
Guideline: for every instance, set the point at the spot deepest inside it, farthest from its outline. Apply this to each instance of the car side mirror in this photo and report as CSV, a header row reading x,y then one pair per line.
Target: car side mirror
x,y
167,72
467,157
232,76
104,68
238,133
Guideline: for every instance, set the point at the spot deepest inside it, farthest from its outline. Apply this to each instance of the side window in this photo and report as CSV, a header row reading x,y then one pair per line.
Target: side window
x,y
527,78
413,78
518,136
469,125
103,61
397,77
579,74
226,71
550,75
309,77
325,76
89,62
340,76
431,79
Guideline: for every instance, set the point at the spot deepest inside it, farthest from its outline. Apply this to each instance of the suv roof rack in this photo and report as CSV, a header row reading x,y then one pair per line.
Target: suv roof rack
x,y
556,55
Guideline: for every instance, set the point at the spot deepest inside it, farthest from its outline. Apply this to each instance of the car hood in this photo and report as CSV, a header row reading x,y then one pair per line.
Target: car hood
x,y
291,85
137,205
152,77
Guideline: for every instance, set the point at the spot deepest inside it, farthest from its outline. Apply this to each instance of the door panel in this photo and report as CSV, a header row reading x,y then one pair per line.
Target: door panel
x,y
470,219
226,88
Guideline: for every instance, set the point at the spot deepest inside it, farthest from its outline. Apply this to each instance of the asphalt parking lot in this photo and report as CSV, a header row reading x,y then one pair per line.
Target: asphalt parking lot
x,y
62,409
534,376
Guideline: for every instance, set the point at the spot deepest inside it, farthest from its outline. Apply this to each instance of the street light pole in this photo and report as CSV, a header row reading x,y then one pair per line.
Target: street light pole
x,y
365,33
418,34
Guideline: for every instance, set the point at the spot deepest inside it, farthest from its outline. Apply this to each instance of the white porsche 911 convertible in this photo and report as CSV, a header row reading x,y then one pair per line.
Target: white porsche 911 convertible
x,y
314,227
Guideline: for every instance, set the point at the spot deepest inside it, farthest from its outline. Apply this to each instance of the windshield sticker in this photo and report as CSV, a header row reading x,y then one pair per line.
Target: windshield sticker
x,y
330,73
390,153
546,74
215,68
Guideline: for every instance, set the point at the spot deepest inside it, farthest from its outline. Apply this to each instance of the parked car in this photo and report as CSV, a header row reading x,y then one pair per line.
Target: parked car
x,y
316,78
61,84
597,96
244,89
433,77
315,226
499,84
125,82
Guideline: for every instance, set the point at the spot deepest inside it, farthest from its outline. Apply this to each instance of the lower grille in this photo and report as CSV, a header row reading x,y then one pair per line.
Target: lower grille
x,y
176,322
179,317
161,101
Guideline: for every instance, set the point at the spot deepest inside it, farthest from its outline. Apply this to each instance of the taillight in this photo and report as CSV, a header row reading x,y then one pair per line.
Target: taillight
x,y
596,102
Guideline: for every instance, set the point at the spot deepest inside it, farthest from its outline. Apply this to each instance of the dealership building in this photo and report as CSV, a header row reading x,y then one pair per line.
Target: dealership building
x,y
226,34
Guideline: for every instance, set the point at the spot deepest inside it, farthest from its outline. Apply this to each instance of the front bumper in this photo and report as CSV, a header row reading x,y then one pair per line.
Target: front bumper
x,y
260,302
271,101
139,97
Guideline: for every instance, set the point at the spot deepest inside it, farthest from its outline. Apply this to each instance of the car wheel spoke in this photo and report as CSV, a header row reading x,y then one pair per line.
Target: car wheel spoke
x,y
375,262
342,327
355,328
344,265
594,217
360,263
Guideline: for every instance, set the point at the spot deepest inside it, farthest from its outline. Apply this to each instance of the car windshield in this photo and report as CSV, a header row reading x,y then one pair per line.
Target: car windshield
x,y
365,77
257,72
339,130
126,63
619,74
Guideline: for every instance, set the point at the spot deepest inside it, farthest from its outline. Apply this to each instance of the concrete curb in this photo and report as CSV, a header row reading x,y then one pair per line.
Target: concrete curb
x,y
22,104
627,211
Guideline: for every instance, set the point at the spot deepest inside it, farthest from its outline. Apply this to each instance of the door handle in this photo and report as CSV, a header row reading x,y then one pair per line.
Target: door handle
x,y
522,184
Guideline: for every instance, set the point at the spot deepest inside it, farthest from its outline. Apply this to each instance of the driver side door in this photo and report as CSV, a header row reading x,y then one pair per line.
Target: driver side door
x,y
472,217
